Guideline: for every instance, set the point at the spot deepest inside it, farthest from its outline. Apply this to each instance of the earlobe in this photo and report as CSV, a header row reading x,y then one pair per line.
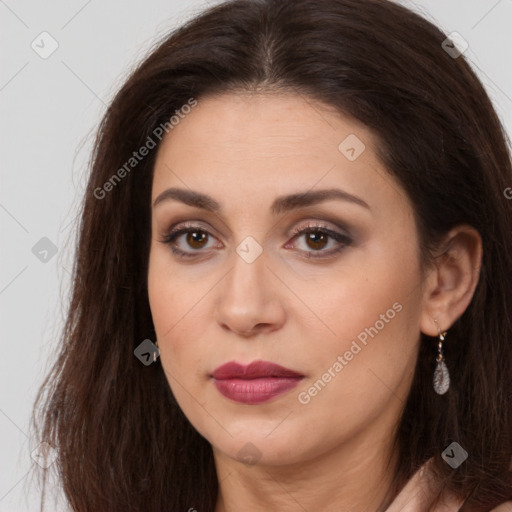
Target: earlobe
x,y
452,280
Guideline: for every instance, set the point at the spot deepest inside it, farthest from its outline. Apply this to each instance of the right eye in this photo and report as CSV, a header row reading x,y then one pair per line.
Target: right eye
x,y
196,238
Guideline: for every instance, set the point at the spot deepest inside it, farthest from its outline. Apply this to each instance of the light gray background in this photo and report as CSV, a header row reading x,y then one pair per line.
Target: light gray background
x,y
49,111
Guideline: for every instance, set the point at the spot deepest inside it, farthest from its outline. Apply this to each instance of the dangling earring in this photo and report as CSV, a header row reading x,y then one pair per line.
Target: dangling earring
x,y
154,351
441,375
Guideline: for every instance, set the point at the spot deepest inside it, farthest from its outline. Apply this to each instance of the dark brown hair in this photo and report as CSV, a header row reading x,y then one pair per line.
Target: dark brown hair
x,y
122,440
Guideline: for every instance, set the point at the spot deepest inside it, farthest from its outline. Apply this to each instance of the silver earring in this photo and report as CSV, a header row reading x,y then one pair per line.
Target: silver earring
x,y
441,375
154,352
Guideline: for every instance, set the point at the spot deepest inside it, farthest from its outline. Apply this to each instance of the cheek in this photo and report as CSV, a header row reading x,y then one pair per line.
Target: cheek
x,y
361,292
177,310
369,356
171,295
167,302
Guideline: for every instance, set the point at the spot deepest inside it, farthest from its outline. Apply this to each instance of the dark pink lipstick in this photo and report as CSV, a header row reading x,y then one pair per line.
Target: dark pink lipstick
x,y
255,383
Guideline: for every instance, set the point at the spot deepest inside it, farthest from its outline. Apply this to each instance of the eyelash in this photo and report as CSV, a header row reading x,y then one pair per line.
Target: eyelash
x,y
310,228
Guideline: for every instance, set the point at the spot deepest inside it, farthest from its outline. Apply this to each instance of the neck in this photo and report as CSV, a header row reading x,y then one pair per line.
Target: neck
x,y
355,477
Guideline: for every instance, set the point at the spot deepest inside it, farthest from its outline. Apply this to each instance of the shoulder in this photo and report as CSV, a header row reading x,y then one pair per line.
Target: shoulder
x,y
420,493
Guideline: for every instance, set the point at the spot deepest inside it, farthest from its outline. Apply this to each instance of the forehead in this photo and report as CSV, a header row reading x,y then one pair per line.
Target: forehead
x,y
248,123
247,144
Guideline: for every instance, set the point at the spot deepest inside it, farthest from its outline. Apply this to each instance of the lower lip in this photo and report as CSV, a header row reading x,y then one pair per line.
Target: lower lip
x,y
255,391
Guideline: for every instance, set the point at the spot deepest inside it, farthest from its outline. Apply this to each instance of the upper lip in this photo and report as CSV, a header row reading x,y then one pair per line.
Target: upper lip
x,y
254,370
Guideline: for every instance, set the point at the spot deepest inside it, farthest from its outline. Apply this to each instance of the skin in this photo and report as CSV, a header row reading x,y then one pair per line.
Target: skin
x,y
420,491
244,150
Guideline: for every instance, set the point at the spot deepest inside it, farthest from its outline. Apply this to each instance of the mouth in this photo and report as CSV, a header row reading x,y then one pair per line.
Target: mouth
x,y
255,383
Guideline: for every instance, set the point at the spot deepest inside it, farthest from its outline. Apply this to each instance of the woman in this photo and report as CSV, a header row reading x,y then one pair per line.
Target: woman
x,y
293,286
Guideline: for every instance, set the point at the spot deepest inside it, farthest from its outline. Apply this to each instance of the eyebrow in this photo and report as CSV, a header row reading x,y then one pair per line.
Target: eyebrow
x,y
280,205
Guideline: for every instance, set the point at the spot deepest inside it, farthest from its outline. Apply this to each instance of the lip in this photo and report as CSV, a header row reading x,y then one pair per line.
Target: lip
x,y
255,383
254,370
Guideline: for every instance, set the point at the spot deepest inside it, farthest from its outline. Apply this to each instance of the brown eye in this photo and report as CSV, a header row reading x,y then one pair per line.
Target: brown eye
x,y
189,241
196,239
311,241
316,240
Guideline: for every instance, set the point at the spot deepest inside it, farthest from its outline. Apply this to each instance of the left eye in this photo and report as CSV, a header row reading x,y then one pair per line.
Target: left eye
x,y
315,237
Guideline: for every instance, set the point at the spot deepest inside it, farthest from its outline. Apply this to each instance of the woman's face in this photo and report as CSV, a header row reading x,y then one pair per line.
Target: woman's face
x,y
339,304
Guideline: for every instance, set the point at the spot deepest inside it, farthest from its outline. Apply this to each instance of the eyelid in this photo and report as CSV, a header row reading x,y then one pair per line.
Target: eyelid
x,y
190,224
342,239
319,224
181,228
311,224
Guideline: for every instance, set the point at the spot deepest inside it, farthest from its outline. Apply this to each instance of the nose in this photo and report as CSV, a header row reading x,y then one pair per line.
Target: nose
x,y
250,300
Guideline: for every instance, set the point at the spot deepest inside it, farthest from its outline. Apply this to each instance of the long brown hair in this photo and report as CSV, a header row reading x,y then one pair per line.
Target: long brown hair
x,y
123,443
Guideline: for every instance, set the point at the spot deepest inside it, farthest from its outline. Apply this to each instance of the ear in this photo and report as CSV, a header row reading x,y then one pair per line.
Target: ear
x,y
451,281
